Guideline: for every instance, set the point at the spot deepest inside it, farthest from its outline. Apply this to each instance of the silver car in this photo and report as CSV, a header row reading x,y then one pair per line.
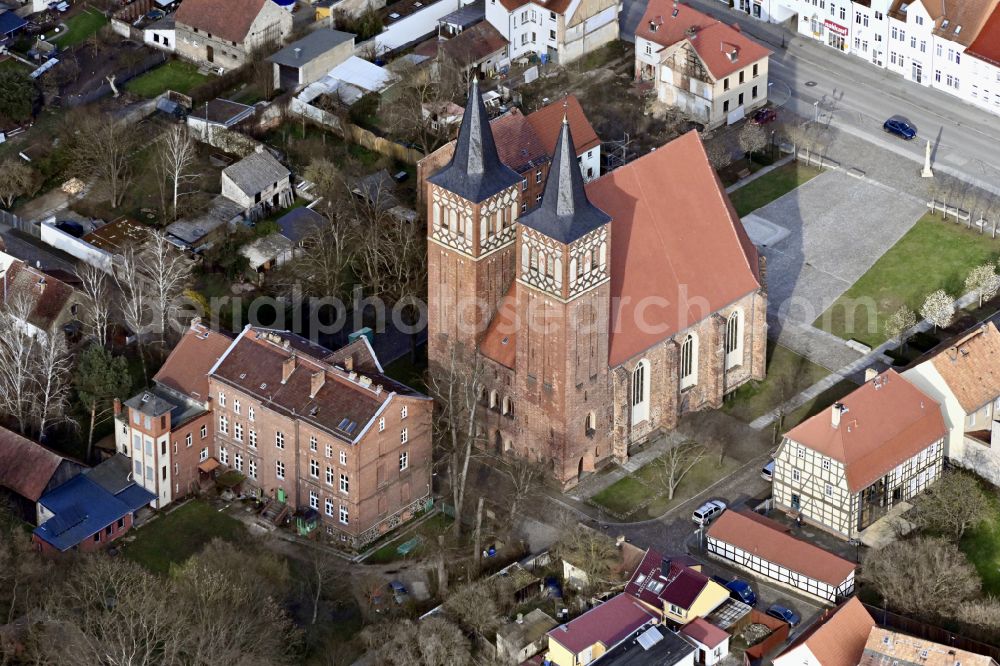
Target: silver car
x,y
707,512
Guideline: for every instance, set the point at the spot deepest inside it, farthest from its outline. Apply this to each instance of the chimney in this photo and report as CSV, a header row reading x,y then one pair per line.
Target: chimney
x,y
349,363
287,368
620,541
836,411
870,374
298,53
520,618
665,567
118,407
316,383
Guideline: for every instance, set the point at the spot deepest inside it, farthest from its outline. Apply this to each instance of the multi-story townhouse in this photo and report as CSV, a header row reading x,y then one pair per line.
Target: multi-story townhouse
x,y
559,31
167,430
705,68
983,65
869,31
954,47
965,379
845,467
321,430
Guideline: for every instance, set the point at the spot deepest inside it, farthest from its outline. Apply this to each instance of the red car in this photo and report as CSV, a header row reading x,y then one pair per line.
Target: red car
x,y
764,116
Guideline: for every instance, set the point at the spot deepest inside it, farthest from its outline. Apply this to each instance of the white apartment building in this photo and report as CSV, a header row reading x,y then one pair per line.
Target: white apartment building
x,y
929,42
558,31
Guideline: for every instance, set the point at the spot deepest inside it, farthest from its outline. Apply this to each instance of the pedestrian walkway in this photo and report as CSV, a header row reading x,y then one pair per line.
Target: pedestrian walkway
x,y
848,370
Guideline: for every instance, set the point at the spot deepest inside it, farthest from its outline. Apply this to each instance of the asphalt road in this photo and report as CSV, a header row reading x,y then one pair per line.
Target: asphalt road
x,y
857,97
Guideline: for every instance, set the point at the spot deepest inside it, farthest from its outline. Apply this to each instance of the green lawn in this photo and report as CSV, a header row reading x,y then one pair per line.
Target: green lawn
x,y
175,75
932,255
9,64
428,531
787,375
79,28
982,546
771,186
624,496
176,536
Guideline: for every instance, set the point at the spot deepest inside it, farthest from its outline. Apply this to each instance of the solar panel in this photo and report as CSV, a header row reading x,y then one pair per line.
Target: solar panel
x,y
649,638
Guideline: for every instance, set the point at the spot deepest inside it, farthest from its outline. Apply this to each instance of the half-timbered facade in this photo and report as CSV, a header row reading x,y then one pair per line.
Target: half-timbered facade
x,y
596,322
765,548
846,467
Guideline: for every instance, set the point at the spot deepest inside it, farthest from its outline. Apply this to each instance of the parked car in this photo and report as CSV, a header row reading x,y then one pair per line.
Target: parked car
x,y
767,471
764,116
900,128
738,589
399,593
784,613
707,512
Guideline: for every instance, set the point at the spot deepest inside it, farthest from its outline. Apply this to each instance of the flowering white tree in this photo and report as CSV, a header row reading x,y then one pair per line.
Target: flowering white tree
x,y
984,282
938,309
899,322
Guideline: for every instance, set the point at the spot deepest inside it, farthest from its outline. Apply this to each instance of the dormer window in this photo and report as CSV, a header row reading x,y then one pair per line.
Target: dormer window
x,y
653,26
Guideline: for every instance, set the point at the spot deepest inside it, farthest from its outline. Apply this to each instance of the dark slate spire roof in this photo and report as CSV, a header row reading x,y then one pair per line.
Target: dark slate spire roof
x,y
475,172
565,213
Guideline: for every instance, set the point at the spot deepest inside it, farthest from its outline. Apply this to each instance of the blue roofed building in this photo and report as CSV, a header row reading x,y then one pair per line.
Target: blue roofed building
x,y
10,24
90,510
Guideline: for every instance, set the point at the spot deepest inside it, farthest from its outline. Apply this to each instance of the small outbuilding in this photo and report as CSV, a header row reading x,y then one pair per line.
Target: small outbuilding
x,y
310,58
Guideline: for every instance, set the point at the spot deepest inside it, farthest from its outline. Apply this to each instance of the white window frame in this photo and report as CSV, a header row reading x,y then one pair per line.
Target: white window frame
x,y
639,391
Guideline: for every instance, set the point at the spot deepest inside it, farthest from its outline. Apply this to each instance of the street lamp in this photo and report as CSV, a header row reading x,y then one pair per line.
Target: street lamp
x,y
816,106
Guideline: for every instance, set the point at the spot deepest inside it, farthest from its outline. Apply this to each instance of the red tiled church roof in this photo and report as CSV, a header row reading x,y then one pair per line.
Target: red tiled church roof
x,y
678,250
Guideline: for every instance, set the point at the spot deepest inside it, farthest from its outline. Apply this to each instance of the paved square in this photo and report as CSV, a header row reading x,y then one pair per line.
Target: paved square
x,y
838,226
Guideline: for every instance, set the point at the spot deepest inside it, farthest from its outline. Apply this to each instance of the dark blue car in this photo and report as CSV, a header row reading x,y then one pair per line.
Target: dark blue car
x,y
783,613
900,128
738,589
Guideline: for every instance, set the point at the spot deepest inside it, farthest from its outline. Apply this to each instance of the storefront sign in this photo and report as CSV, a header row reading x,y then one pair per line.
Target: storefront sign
x,y
839,29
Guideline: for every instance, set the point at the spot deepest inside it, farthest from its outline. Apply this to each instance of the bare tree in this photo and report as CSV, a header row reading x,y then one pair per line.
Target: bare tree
x,y
676,462
983,281
433,642
418,96
17,353
16,179
103,150
322,568
952,505
456,386
24,576
167,272
981,613
594,554
922,576
753,137
938,309
720,155
900,323
473,607
175,158
97,306
525,478
51,377
129,277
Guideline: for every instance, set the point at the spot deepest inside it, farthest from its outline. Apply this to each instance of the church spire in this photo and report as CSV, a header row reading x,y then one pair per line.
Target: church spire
x,y
565,213
475,171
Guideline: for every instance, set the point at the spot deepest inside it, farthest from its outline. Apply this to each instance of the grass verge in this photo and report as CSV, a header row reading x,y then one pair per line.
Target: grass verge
x,y
771,186
787,375
932,255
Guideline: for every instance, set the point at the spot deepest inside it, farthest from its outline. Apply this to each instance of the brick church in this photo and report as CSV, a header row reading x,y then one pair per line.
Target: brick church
x,y
603,313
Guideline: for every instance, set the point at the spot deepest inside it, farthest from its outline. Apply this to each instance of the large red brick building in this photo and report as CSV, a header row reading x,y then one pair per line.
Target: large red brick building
x,y
322,430
604,313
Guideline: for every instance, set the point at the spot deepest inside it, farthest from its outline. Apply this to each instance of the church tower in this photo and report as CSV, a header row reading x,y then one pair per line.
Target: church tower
x,y
563,255
472,209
